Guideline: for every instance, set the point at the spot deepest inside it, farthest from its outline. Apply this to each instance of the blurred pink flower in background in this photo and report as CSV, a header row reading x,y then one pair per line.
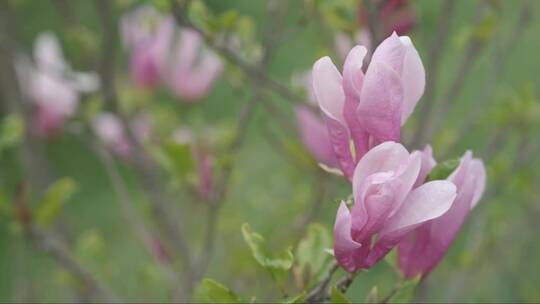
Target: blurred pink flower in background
x,y
51,85
161,53
386,207
368,109
110,131
395,16
424,247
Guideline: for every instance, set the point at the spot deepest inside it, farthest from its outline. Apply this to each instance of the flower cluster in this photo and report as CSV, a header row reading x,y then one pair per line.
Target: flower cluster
x,y
51,85
163,53
394,205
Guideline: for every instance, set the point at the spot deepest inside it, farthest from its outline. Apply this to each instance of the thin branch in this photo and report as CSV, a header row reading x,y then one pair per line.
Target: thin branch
x,y
51,245
136,222
277,11
319,292
144,165
260,76
374,25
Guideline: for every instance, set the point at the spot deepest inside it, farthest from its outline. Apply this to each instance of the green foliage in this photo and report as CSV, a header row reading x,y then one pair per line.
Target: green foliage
x,y
54,199
199,14
296,299
177,158
443,170
405,290
391,260
336,296
373,296
339,15
311,259
210,291
277,265
11,131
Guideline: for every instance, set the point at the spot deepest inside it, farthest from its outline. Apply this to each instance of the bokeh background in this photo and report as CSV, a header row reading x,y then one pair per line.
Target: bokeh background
x,y
483,84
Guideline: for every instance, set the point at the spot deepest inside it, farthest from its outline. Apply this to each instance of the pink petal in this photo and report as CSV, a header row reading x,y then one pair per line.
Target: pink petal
x,y
428,163
381,99
478,170
144,68
345,248
48,54
407,175
424,203
372,204
387,156
327,85
352,83
413,77
381,180
392,52
340,140
314,135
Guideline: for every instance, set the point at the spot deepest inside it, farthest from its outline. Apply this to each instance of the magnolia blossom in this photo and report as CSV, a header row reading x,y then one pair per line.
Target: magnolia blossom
x,y
368,109
161,53
427,244
109,129
386,207
311,126
51,85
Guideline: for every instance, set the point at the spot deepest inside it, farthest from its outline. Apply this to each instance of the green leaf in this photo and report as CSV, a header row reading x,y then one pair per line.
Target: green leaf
x,y
11,131
54,199
391,260
210,291
199,14
405,291
443,170
296,299
373,296
310,256
277,264
179,158
336,296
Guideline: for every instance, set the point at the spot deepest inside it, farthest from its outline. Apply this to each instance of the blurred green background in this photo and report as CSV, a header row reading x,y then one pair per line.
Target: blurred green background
x,y
496,257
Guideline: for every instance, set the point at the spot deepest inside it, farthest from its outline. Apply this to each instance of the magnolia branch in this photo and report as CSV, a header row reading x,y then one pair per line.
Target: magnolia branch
x,y
144,165
256,73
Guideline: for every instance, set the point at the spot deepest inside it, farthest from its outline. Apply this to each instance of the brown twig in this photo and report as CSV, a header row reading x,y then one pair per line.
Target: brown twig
x,y
319,292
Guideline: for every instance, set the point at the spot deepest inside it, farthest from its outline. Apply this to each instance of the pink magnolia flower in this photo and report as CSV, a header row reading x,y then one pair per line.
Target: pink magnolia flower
x,y
311,126
194,69
315,137
386,207
51,85
160,53
109,129
368,109
426,245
